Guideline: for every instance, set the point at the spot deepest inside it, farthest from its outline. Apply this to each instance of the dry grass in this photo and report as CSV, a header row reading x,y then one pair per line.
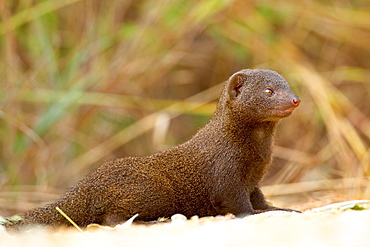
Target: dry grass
x,y
83,81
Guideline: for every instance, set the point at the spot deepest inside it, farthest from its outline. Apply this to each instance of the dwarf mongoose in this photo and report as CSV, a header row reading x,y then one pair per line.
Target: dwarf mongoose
x,y
216,172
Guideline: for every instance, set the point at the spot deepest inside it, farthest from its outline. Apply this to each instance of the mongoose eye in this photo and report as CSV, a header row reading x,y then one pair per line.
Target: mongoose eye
x,y
269,92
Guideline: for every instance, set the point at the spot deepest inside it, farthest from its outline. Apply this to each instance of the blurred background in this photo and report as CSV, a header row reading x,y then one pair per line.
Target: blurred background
x,y
85,81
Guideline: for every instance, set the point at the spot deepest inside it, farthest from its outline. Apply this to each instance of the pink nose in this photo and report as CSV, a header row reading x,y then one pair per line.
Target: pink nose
x,y
296,101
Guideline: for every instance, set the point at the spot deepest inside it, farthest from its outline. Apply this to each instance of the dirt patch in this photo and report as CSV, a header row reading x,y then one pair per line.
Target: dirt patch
x,y
344,224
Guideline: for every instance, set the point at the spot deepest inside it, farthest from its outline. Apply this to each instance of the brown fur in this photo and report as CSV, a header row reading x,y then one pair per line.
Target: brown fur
x,y
217,172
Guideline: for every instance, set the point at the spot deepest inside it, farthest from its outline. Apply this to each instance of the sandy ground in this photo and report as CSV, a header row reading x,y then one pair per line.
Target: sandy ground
x,y
333,225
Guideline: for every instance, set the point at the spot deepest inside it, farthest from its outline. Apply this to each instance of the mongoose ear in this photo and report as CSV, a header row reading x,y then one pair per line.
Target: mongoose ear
x,y
235,84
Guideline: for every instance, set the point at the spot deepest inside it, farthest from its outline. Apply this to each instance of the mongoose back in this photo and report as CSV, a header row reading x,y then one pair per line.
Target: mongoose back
x,y
216,172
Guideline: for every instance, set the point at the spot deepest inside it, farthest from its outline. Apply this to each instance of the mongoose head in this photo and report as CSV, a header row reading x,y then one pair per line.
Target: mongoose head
x,y
260,95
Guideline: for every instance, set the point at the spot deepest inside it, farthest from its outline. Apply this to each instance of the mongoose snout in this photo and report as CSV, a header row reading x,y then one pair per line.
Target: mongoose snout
x,y
296,101
294,104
